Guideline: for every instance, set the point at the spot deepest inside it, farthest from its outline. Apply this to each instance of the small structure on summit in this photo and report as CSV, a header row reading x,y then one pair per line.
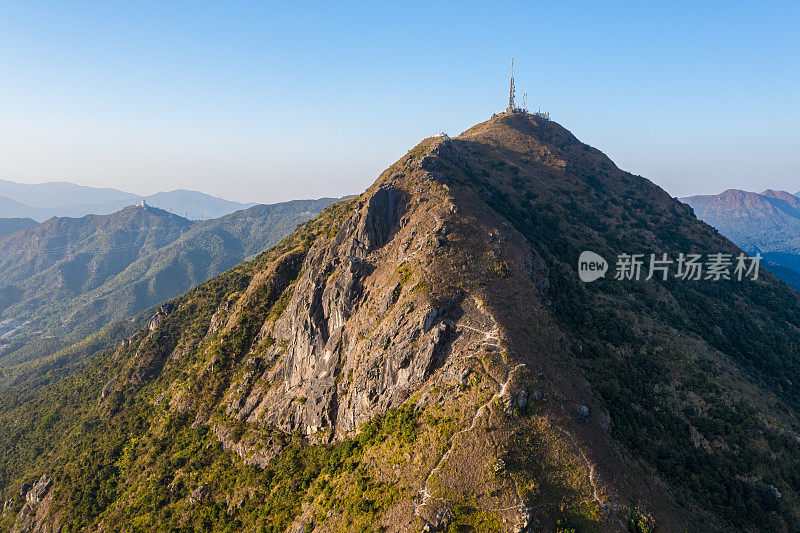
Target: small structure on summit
x,y
512,108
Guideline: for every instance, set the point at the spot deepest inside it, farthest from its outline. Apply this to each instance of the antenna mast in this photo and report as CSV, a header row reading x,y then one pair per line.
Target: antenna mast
x,y
511,90
525,102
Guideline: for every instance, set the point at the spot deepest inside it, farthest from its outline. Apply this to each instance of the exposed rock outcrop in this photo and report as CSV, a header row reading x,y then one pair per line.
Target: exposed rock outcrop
x,y
360,331
31,518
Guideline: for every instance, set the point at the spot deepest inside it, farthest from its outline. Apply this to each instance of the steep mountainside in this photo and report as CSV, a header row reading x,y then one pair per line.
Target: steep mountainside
x,y
67,278
424,356
12,225
768,223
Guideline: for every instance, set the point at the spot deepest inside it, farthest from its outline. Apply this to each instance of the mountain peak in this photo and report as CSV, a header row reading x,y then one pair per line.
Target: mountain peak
x,y
428,347
780,195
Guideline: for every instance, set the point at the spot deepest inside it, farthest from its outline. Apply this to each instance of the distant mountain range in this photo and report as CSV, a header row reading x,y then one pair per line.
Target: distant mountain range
x,y
766,222
66,278
61,199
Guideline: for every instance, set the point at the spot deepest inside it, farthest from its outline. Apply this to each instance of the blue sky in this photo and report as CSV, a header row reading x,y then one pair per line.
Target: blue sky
x,y
268,102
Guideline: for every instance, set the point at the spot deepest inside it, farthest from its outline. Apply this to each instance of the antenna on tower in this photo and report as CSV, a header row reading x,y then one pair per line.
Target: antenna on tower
x,y
525,102
511,90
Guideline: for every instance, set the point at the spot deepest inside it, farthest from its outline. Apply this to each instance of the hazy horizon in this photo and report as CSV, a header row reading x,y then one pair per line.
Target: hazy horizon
x,y
257,103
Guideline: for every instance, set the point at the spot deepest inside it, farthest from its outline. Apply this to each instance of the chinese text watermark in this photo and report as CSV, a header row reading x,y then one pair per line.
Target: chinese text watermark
x,y
689,267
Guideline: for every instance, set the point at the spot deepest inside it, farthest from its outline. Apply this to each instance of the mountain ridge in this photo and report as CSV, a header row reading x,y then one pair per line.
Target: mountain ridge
x,y
42,201
57,193
760,215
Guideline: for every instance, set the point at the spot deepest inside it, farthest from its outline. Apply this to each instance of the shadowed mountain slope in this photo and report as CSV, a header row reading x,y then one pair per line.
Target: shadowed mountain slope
x,y
65,257
424,356
12,225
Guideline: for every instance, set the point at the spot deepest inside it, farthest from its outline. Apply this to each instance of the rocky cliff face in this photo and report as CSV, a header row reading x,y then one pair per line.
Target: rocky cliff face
x,y
390,304
38,502
354,340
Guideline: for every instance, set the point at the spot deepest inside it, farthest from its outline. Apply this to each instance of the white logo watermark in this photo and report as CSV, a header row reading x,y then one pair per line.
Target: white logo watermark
x,y
591,266
692,267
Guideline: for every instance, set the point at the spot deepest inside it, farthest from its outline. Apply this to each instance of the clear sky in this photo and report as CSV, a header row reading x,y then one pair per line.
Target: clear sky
x,y
268,102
